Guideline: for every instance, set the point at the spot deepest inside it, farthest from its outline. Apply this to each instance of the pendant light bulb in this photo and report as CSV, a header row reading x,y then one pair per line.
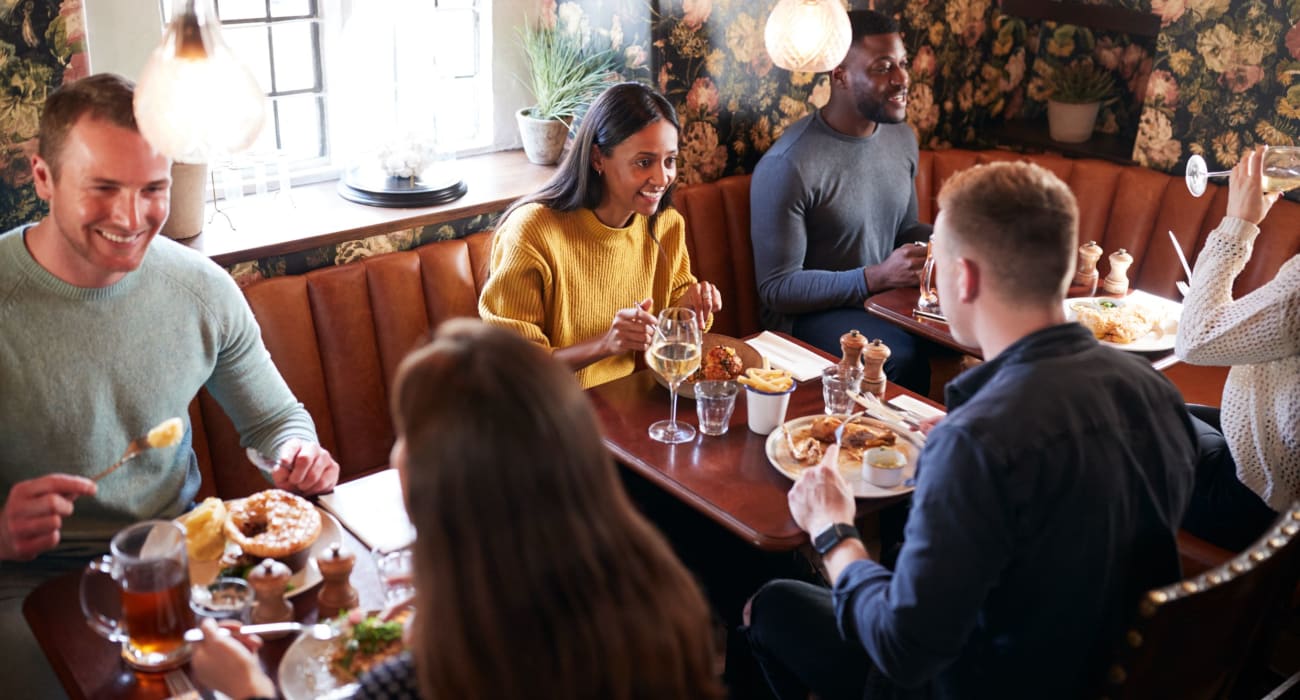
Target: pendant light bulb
x,y
809,36
196,102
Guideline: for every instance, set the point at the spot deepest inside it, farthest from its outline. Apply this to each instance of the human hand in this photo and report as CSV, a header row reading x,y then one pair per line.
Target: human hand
x,y
1246,197
633,329
305,467
925,425
229,663
33,514
821,497
901,269
704,299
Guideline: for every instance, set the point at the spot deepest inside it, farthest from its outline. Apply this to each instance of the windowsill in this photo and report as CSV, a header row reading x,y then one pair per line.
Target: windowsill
x,y
315,215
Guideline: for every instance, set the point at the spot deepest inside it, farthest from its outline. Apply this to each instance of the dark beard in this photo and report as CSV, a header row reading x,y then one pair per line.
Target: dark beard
x,y
873,109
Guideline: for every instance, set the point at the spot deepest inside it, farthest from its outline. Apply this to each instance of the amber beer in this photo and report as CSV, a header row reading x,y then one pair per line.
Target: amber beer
x,y
155,606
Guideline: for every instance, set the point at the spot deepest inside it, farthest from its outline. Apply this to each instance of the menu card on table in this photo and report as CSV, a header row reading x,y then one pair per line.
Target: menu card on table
x,y
372,509
802,364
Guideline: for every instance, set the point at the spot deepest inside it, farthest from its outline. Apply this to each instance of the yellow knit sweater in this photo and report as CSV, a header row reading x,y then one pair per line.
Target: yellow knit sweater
x,y
558,278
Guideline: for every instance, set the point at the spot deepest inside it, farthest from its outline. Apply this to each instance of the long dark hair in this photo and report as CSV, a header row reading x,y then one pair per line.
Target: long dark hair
x,y
535,576
620,111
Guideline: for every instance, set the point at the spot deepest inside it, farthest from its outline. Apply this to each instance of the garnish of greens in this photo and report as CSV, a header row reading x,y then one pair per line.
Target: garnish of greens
x,y
368,637
1108,304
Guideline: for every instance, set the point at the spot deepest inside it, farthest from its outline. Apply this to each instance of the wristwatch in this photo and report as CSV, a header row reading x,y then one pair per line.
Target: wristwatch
x,y
827,539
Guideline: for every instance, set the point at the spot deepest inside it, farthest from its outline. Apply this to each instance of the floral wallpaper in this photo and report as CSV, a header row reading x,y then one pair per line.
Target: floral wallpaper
x,y
42,45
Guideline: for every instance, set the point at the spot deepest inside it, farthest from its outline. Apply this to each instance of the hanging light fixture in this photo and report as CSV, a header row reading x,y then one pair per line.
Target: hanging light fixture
x,y
195,101
809,36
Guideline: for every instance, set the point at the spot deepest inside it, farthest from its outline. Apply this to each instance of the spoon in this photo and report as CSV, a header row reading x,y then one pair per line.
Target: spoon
x,y
165,434
319,631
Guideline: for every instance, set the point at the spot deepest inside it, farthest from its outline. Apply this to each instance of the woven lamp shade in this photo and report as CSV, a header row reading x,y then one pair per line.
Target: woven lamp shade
x,y
810,36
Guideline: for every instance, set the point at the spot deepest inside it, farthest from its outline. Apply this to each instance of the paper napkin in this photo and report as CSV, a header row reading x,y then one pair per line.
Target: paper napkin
x,y
783,354
372,509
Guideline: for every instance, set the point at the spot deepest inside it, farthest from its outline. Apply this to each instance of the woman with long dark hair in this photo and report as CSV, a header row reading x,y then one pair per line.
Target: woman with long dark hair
x,y
584,265
535,577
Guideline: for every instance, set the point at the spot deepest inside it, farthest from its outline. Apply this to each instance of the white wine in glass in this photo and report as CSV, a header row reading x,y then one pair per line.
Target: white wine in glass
x,y
1281,170
674,354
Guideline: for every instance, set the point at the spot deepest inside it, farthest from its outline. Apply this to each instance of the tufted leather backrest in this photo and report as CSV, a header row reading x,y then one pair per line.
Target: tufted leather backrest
x,y
338,335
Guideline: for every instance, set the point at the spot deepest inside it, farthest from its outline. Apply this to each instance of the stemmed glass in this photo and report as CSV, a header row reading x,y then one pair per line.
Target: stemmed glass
x,y
675,355
1281,170
928,300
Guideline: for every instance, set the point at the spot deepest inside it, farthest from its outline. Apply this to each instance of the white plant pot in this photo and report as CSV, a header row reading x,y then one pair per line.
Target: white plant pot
x,y
1071,123
543,138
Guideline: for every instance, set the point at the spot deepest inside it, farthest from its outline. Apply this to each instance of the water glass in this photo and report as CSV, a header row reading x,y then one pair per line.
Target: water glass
x,y
396,575
714,402
226,598
838,385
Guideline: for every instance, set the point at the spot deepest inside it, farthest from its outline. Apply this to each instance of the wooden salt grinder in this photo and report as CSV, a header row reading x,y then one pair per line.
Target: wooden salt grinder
x,y
268,580
1117,280
873,374
337,593
851,345
1086,273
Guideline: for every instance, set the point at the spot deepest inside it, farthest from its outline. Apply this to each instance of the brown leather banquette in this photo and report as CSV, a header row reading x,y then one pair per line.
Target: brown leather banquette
x,y
338,333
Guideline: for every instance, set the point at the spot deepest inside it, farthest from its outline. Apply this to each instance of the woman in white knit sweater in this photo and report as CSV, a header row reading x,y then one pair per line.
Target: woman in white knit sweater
x,y
1250,453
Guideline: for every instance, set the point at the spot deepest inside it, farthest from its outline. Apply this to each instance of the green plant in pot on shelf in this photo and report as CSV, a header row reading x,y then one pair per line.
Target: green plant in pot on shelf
x,y
563,77
1076,93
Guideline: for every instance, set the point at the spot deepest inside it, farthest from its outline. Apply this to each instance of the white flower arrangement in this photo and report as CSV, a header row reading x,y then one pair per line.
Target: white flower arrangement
x,y
407,157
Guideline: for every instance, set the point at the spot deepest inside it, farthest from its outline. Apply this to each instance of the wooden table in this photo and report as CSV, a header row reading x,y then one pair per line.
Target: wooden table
x,y
90,666
896,306
727,478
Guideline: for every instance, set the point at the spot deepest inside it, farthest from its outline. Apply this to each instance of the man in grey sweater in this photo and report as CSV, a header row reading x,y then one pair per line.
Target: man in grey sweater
x,y
107,333
833,206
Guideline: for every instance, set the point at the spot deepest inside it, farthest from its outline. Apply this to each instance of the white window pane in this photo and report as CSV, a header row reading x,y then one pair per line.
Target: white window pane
x,y
457,3
250,45
457,120
455,34
298,118
229,10
292,8
295,57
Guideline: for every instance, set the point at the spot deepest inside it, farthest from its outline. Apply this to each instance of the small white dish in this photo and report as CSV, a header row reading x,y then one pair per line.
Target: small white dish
x,y
883,466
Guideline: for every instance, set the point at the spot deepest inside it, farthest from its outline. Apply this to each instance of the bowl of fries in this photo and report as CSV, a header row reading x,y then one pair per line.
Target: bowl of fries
x,y
767,394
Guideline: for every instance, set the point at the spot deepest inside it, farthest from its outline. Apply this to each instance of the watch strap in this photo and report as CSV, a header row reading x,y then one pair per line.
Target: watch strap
x,y
827,539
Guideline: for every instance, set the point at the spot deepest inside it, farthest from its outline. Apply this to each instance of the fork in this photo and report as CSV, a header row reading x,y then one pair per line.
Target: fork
x,y
839,431
180,686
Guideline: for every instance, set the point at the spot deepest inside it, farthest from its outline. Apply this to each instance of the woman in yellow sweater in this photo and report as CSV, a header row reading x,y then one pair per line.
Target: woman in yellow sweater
x,y
584,265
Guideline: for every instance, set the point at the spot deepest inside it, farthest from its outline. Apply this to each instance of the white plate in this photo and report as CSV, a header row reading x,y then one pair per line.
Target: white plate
x,y
204,572
1154,341
778,453
304,671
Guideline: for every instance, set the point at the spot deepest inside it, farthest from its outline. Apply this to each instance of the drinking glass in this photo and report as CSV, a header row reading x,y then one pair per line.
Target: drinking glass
x,y
928,300
150,572
714,403
675,355
396,574
839,383
1281,170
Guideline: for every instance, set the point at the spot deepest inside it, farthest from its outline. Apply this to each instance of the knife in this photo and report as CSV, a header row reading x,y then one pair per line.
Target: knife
x,y
1181,258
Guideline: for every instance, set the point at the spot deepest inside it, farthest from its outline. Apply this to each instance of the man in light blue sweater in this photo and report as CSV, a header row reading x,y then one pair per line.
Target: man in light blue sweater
x,y
833,206
107,333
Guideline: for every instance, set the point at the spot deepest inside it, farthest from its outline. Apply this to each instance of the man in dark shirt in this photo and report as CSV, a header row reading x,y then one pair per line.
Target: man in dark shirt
x,y
1047,500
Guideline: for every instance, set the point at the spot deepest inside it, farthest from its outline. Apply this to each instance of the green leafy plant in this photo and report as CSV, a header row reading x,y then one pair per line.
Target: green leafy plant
x,y
1081,82
562,75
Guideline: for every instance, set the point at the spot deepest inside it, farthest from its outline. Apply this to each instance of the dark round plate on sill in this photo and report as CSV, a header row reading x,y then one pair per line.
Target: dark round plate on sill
x,y
369,184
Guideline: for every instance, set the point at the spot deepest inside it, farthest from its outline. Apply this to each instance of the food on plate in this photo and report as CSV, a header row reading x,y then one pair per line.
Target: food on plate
x,y
770,381
272,523
808,443
205,537
166,433
1117,322
720,363
367,641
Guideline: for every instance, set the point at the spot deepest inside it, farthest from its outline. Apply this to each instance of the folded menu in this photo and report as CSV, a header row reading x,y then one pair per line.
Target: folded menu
x,y
801,363
372,509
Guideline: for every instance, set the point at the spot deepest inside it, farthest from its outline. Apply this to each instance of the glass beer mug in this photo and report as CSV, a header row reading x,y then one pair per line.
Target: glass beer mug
x,y
148,568
928,300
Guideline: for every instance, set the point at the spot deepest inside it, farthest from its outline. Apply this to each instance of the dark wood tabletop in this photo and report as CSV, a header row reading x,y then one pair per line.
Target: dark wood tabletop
x,y
897,306
727,478
90,666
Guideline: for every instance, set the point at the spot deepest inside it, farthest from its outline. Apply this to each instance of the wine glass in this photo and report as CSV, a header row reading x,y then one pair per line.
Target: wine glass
x,y
1281,170
928,300
675,355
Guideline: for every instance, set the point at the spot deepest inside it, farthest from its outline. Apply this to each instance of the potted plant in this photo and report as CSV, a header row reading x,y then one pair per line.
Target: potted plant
x,y
563,77
1076,93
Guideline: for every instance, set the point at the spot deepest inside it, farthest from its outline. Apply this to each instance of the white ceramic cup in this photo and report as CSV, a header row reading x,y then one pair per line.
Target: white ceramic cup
x,y
766,411
883,467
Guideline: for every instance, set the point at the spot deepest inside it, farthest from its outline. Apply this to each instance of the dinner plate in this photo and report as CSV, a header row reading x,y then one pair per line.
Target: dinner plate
x,y
749,356
1163,337
778,453
204,572
305,671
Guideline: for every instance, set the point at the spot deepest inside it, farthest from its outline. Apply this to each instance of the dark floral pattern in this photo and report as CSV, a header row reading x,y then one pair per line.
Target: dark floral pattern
x,y
42,45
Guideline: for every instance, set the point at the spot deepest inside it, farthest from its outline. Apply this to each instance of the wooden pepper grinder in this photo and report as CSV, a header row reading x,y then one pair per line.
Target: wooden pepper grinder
x,y
1117,280
873,374
1086,273
337,593
851,345
268,580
